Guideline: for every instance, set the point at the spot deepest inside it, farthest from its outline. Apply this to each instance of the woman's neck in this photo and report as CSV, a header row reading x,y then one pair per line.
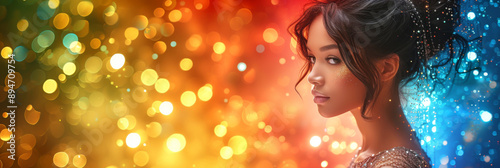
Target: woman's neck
x,y
388,127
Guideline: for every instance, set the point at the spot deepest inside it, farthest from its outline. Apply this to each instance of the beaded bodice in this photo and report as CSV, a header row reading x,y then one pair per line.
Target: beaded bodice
x,y
395,157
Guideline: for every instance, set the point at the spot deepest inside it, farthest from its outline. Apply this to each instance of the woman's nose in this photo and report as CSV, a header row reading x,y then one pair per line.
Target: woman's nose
x,y
315,77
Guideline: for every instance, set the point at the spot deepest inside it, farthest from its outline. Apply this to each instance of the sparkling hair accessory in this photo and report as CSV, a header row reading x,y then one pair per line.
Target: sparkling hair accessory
x,y
424,49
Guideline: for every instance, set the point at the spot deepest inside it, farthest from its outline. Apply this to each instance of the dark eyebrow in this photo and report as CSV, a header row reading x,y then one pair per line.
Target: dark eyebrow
x,y
327,47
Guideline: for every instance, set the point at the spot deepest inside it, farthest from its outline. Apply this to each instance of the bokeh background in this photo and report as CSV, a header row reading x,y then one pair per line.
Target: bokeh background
x,y
210,83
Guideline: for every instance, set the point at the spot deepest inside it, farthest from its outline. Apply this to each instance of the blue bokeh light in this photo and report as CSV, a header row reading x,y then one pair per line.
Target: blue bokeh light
x,y
471,15
485,116
472,55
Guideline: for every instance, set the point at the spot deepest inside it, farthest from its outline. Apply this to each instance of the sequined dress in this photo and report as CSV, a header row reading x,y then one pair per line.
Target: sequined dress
x,y
395,157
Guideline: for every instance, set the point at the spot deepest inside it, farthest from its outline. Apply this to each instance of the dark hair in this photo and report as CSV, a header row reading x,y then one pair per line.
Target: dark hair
x,y
382,27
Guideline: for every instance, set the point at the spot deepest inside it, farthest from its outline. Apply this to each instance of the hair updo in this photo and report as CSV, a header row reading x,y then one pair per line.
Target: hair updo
x,y
368,30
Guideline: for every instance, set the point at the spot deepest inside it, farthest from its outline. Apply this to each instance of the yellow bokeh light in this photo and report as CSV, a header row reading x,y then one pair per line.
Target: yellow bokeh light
x,y
133,140
324,163
119,142
194,42
149,77
50,86
238,144
166,108
261,125
188,98
141,158
219,47
268,129
84,8
282,61
61,77
132,121
175,15
5,133
79,160
176,142
154,129
201,4
61,159
131,33
236,23
167,29
150,32
117,61
61,20
270,35
31,115
93,64
220,130
162,85
315,141
141,22
336,148
326,138
76,47
110,11
159,47
122,123
186,64
156,106
205,93
69,68
53,4
353,145
245,14
168,3
335,144
111,40
159,12
95,43
111,20
22,25
6,51
226,152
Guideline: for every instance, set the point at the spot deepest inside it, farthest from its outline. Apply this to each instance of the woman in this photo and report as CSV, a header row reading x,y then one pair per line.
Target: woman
x,y
360,53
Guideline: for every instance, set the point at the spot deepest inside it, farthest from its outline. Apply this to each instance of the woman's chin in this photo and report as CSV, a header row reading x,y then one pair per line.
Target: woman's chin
x,y
329,114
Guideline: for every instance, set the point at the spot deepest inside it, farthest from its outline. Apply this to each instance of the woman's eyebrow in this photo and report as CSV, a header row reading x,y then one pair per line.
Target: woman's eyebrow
x,y
328,47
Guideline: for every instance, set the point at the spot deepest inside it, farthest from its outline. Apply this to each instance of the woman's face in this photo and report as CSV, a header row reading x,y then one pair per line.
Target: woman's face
x,y
335,89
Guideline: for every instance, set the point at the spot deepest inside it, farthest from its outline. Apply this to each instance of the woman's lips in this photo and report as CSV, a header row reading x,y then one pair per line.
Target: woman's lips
x,y
318,97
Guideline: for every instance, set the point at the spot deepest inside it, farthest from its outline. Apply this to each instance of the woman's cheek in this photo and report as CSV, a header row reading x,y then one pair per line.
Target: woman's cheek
x,y
346,78
349,85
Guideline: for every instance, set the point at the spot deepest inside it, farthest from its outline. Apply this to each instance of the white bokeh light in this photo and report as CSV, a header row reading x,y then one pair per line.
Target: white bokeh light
x,y
117,61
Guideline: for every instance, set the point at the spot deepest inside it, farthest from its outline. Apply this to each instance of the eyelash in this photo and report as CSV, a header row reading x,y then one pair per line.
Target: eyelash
x,y
336,60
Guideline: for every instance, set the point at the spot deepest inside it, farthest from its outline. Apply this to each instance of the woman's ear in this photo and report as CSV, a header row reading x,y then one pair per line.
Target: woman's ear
x,y
388,67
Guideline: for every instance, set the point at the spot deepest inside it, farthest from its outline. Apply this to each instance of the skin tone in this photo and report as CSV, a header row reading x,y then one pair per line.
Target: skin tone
x,y
331,78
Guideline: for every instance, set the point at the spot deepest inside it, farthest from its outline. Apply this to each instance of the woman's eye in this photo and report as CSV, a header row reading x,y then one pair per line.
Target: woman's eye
x,y
333,60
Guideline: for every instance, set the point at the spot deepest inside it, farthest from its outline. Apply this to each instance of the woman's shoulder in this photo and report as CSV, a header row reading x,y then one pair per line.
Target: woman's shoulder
x,y
395,157
402,157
